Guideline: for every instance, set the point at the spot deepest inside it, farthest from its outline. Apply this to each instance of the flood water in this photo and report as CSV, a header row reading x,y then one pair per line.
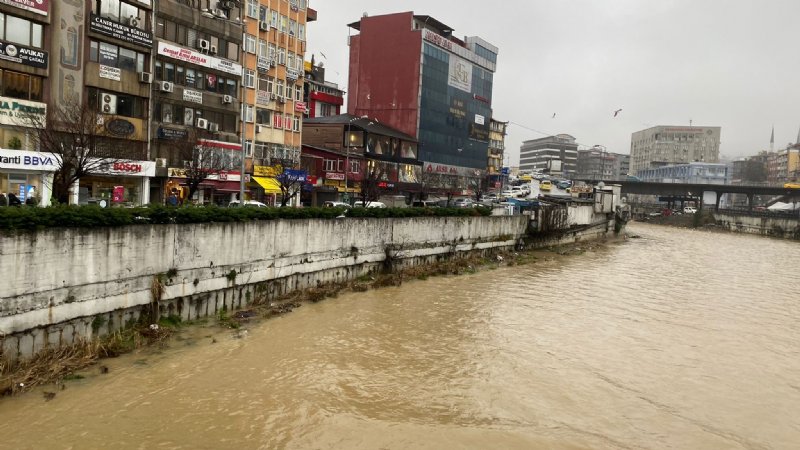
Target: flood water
x,y
681,339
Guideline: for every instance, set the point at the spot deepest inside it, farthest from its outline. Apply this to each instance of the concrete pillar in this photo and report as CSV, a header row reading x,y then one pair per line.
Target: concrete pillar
x,y
750,200
46,189
719,197
144,197
74,192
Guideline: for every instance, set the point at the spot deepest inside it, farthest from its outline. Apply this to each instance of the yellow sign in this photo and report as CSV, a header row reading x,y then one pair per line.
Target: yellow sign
x,y
267,171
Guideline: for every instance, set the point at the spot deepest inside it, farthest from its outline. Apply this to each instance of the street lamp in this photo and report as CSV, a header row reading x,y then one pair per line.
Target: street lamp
x,y
349,139
244,101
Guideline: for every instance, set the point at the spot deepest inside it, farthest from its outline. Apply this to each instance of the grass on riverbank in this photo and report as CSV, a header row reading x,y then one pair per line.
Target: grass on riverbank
x,y
54,366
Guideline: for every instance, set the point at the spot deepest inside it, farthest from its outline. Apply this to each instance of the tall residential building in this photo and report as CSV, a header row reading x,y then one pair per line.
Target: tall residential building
x,y
410,72
666,145
536,155
275,46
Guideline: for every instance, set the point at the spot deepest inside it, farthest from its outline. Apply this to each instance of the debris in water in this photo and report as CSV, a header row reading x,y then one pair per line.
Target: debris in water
x,y
103,369
49,396
499,258
154,326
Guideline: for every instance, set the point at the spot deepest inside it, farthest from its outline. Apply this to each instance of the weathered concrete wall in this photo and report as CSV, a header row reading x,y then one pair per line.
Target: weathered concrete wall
x,y
782,227
65,284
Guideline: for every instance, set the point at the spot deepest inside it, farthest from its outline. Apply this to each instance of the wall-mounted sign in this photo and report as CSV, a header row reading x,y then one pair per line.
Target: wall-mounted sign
x,y
460,74
267,171
25,160
334,176
126,167
300,106
445,169
222,175
201,59
20,112
171,133
479,132
120,127
34,6
111,73
23,55
192,96
129,34
479,119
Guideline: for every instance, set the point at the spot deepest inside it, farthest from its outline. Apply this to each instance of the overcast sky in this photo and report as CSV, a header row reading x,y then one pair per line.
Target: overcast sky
x,y
728,63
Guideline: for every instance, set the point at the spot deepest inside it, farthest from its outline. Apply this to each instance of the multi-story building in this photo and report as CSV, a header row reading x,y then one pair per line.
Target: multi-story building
x,y
275,46
783,165
536,155
322,98
497,146
26,44
375,156
431,85
596,164
691,173
669,145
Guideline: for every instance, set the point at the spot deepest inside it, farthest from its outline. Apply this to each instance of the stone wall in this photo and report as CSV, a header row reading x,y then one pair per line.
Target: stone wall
x,y
64,284
765,225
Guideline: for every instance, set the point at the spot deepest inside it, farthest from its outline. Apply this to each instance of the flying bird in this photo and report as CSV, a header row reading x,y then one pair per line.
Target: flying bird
x,y
554,115
617,112
323,55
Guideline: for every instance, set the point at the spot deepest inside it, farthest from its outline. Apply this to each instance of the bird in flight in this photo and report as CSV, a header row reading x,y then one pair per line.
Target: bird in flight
x,y
617,112
554,115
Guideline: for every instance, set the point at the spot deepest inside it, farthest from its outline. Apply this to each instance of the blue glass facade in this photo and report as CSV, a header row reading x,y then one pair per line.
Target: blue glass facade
x,y
450,131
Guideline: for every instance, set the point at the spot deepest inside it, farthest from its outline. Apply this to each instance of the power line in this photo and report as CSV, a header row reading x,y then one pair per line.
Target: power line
x,y
545,133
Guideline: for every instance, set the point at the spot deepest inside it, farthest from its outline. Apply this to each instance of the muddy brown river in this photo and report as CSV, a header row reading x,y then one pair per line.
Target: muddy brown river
x,y
679,340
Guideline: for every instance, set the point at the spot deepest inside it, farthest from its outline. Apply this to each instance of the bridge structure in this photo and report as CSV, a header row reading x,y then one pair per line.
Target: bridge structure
x,y
683,191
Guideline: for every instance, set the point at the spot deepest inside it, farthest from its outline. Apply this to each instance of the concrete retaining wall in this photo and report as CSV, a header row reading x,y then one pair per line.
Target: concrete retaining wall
x,y
782,227
64,284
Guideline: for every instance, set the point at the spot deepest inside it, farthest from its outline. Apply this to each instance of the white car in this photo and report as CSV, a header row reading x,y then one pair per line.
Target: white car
x,y
370,205
247,203
689,210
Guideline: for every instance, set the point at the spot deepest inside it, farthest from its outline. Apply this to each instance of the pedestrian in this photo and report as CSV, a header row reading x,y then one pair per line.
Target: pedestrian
x,y
172,199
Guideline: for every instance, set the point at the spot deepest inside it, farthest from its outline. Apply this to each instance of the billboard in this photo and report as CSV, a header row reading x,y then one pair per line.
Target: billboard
x,y
460,74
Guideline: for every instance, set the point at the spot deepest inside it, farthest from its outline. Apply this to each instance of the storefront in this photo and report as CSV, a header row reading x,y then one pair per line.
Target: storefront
x,y
117,183
27,176
215,189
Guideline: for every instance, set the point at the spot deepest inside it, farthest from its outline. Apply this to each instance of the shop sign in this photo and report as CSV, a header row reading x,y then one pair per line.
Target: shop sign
x,y
23,55
201,59
334,176
120,128
300,106
16,112
111,73
223,175
262,98
129,34
192,96
171,133
124,167
312,179
267,171
34,6
444,169
333,183
25,160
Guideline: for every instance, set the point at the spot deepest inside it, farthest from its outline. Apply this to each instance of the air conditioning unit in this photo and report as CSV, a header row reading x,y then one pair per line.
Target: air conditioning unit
x,y
133,21
227,99
273,63
145,77
108,103
220,14
203,44
166,86
213,127
202,123
161,162
272,96
281,100
259,128
226,4
264,26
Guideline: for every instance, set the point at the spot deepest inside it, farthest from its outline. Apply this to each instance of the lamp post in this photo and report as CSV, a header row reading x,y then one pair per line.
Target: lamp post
x,y
244,100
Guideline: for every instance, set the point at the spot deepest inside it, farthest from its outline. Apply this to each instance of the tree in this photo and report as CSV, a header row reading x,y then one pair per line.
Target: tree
x,y
373,174
291,183
477,184
755,171
203,160
74,135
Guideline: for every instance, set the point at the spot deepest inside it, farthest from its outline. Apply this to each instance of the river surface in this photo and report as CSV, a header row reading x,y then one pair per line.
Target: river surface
x,y
679,340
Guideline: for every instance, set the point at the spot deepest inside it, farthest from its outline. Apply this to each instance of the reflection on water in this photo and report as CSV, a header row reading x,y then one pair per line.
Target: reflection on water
x,y
681,339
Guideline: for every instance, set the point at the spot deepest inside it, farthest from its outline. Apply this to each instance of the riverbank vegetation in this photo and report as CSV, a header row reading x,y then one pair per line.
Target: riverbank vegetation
x,y
57,366
60,216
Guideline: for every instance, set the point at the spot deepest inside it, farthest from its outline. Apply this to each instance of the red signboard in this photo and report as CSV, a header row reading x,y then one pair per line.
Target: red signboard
x,y
334,176
35,6
312,179
118,194
299,106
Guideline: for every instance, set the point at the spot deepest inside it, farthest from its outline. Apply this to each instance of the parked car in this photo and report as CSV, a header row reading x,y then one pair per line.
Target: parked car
x,y
566,184
335,205
247,203
491,198
424,204
508,193
463,203
370,205
545,185
689,210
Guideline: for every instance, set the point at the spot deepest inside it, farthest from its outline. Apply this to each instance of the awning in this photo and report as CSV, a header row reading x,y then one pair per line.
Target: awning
x,y
270,185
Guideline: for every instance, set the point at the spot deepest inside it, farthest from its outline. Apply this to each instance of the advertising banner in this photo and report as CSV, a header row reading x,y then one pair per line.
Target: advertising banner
x,y
201,59
111,73
34,6
23,55
18,112
129,34
460,74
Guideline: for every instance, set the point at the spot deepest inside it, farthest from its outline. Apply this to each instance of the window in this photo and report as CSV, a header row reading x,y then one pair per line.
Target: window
x,y
230,87
114,56
250,43
281,55
284,24
250,78
288,92
20,85
20,31
263,117
272,51
277,120
301,32
263,49
330,165
298,94
279,87
273,19
271,85
355,166
292,27
252,8
249,113
295,124
126,105
290,61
